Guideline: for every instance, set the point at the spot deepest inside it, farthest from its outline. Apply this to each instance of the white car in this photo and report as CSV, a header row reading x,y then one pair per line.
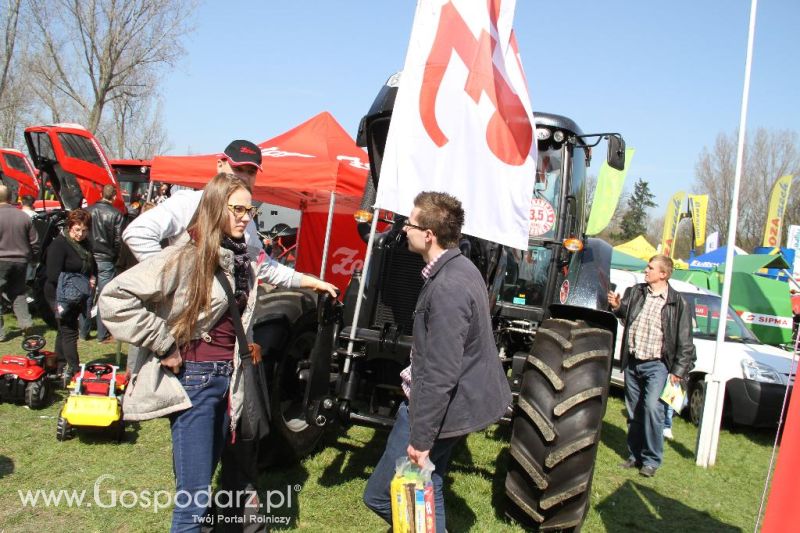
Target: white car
x,y
756,374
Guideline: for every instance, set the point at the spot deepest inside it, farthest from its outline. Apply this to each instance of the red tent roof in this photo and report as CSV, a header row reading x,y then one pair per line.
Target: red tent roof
x,y
300,167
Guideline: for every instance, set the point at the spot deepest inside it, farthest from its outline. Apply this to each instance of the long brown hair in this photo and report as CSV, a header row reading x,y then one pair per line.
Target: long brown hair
x,y
200,257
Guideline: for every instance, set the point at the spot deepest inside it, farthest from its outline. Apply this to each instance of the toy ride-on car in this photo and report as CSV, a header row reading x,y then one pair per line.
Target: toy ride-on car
x,y
26,377
94,402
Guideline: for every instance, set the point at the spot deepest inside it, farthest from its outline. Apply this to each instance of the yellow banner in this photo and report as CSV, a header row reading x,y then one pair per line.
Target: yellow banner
x,y
777,205
671,219
698,207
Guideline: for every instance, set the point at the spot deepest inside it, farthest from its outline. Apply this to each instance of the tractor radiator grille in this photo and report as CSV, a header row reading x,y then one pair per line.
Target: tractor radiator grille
x,y
400,282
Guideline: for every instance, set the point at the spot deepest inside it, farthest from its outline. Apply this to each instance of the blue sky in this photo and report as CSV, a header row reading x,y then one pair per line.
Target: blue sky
x,y
666,75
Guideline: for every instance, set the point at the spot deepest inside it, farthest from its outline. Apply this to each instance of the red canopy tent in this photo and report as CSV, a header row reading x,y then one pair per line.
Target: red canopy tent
x,y
301,168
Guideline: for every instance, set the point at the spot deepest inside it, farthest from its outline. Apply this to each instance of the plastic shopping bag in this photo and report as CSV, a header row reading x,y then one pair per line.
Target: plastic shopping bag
x,y
413,506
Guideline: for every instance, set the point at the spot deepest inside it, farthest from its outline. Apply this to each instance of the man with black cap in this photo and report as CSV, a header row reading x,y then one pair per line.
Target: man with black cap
x,y
168,221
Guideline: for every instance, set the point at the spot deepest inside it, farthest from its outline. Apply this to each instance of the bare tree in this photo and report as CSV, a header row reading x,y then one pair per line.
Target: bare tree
x,y
135,131
10,24
94,52
768,155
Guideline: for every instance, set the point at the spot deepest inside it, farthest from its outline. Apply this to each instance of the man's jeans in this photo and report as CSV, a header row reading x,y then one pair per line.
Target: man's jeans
x,y
377,495
105,273
198,436
12,284
644,382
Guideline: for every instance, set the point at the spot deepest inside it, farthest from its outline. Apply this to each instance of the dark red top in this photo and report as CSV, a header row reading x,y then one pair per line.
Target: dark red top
x,y
217,346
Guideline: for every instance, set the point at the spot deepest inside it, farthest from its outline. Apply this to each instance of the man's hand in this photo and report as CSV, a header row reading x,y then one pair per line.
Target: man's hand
x,y
173,361
417,457
674,379
613,300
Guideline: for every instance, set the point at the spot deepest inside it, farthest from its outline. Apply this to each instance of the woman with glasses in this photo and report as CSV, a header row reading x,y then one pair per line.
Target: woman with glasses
x,y
70,262
172,305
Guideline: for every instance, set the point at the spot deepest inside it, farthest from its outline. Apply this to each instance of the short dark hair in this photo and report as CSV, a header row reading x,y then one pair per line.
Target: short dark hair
x,y
109,192
78,216
442,214
27,200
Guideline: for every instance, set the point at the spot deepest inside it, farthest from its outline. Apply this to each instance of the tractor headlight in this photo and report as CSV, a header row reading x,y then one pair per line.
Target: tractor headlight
x,y
760,372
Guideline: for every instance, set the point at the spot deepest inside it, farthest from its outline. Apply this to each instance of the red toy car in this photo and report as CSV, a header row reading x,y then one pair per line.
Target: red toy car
x,y
27,377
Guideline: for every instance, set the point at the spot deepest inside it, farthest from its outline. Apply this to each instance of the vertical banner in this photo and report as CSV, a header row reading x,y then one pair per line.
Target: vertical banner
x,y
793,243
671,219
610,182
777,205
698,208
712,242
462,120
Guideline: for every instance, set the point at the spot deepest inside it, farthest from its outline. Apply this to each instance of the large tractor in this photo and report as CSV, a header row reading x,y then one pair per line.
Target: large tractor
x,y
554,333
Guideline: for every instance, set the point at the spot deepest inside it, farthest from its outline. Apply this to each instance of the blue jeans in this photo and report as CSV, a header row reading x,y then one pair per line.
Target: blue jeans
x,y
106,270
668,412
376,494
198,436
644,382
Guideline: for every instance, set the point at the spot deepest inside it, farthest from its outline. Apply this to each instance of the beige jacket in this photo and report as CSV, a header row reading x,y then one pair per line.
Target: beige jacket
x,y
137,307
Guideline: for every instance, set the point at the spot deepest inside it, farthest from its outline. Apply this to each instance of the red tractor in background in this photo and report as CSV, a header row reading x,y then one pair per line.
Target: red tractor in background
x,y
17,173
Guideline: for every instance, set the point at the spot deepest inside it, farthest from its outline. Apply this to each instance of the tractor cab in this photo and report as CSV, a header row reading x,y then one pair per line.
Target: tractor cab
x,y
17,173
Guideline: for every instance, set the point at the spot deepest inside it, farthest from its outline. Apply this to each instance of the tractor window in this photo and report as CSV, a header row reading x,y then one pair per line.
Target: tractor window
x,y
546,194
526,276
80,148
16,162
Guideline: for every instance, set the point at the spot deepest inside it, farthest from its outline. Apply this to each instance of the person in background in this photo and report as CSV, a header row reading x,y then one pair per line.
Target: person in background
x,y
27,202
106,243
163,193
455,383
69,253
657,346
19,244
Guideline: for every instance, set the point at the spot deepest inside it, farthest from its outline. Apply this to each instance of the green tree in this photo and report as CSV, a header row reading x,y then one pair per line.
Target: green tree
x,y
634,221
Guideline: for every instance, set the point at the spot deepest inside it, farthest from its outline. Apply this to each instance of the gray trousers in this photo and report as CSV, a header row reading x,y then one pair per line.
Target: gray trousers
x,y
12,284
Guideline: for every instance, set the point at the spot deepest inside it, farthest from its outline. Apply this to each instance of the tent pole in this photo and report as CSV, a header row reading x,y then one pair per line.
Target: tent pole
x,y
708,436
328,228
361,288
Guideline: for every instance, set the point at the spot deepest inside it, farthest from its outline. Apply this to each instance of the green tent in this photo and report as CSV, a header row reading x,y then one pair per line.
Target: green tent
x,y
710,281
762,303
623,261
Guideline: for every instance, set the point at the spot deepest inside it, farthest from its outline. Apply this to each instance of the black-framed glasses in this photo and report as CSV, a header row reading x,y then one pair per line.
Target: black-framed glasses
x,y
239,211
408,224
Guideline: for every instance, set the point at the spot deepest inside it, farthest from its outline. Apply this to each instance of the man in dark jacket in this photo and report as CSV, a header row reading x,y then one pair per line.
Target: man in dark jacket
x,y
455,383
106,240
657,345
18,246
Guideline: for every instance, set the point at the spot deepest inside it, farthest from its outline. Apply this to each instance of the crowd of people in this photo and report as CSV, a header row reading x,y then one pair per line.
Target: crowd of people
x,y
185,305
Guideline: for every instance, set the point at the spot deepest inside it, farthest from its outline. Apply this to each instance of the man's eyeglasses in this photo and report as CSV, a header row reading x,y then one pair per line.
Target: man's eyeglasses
x,y
408,224
240,211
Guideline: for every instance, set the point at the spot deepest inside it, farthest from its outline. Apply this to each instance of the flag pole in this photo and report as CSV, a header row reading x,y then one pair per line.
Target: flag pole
x,y
708,438
328,228
361,287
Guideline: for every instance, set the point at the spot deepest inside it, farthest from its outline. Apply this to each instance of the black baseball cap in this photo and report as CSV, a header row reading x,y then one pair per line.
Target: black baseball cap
x,y
243,152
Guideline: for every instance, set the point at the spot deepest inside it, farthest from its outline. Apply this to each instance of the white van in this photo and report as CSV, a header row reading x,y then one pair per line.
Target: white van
x,y
756,374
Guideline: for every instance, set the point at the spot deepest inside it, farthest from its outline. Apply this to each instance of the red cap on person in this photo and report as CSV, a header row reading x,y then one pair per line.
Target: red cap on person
x,y
241,152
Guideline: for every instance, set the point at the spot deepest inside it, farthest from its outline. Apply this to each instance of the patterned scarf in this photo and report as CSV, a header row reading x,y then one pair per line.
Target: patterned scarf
x,y
241,267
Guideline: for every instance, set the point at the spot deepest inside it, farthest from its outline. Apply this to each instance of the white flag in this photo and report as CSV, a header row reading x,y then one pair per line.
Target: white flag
x,y
462,120
712,242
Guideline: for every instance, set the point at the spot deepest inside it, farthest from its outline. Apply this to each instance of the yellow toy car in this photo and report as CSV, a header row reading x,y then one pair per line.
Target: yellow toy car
x,y
95,401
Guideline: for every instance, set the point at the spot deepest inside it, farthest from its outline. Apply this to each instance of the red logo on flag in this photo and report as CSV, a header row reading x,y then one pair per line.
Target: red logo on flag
x,y
509,133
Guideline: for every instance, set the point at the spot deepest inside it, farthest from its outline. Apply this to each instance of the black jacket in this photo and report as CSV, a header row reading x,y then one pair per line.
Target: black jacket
x,y
677,352
457,381
106,233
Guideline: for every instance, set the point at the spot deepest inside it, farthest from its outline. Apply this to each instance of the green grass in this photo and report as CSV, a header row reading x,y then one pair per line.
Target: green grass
x,y
723,498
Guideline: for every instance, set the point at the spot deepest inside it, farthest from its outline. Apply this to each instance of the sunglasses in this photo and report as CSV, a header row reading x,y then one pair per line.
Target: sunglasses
x,y
408,224
239,211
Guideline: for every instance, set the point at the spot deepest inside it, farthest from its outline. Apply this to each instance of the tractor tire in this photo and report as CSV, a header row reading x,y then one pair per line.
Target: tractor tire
x,y
63,430
291,438
556,425
36,393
